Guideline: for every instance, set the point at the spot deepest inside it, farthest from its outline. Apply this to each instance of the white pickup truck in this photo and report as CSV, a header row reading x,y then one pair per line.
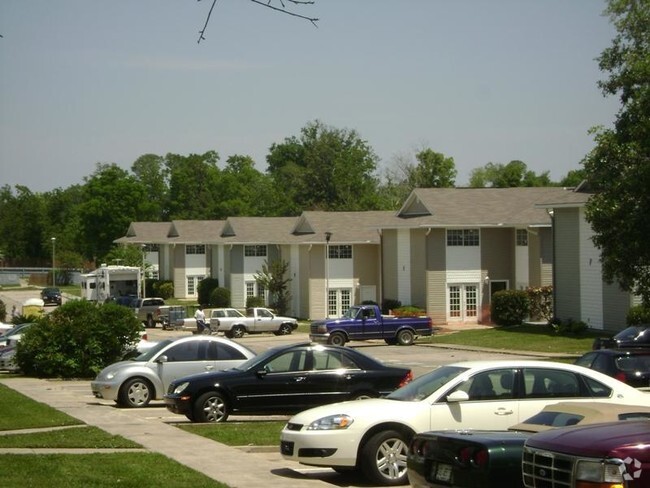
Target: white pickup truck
x,y
235,324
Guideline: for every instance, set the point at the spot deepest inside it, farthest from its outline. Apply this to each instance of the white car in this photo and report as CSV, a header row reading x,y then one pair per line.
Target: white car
x,y
136,382
373,435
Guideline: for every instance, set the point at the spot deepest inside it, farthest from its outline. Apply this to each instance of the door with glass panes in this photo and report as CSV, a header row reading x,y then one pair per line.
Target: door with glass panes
x,y
462,302
338,301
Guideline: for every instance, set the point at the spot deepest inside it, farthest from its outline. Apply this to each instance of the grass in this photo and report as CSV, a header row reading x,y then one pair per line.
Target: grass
x,y
20,412
537,338
251,433
126,470
78,437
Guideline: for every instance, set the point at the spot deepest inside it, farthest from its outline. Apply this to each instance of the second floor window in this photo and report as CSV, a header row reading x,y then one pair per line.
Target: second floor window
x,y
257,251
522,237
195,249
340,252
462,237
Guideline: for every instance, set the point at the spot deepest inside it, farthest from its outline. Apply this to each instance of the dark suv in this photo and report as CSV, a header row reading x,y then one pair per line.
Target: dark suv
x,y
51,295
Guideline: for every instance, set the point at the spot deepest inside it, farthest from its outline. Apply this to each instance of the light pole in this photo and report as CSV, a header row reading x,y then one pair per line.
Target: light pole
x,y
328,236
144,276
53,268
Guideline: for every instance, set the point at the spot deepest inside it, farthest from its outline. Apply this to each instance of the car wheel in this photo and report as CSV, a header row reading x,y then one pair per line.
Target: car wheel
x,y
210,407
383,458
237,332
391,342
150,322
363,395
337,339
135,393
405,337
285,329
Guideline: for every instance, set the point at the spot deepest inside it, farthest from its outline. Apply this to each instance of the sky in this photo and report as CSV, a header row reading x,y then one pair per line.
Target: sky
x,y
84,82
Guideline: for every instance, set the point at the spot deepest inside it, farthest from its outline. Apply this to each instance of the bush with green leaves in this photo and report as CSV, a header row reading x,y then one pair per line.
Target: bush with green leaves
x,y
255,302
220,297
509,307
164,289
205,289
540,299
638,315
389,304
568,327
77,340
408,311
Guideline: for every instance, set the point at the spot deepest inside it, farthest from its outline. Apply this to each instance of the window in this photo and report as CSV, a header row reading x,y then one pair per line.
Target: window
x,y
223,352
289,361
462,237
324,360
151,248
490,385
186,351
522,237
254,289
340,252
255,251
195,249
192,284
545,383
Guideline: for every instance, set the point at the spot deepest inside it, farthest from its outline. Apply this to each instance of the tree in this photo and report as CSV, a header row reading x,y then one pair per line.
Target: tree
x,y
326,169
150,172
273,278
193,182
22,224
433,170
513,174
243,190
618,168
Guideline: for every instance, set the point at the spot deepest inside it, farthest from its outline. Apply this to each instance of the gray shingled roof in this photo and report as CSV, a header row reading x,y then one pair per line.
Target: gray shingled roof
x,y
195,231
145,233
482,207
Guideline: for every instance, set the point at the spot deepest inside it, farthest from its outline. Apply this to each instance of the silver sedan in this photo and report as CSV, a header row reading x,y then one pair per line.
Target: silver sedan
x,y
136,382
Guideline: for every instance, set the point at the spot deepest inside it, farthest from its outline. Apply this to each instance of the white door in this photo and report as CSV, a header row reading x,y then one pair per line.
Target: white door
x,y
339,301
462,302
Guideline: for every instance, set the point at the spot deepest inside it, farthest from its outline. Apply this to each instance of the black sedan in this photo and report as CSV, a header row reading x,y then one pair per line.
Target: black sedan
x,y
284,380
51,295
631,366
633,336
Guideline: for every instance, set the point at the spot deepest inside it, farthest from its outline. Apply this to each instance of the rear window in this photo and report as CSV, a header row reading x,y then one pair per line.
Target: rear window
x,y
633,363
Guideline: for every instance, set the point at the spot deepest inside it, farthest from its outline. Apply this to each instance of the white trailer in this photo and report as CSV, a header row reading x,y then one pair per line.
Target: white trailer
x,y
111,282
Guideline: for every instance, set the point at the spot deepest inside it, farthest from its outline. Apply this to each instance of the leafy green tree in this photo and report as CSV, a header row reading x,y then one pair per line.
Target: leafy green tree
x,y
193,185
513,174
112,199
618,168
433,170
150,171
22,224
243,190
573,178
273,277
326,168
125,255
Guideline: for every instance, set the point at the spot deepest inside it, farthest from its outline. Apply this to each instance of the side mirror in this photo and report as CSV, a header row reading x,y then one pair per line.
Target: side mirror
x,y
161,359
262,373
457,397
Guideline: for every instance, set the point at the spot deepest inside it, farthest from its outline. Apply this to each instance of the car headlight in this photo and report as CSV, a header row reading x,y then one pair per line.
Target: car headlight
x,y
332,422
599,472
180,388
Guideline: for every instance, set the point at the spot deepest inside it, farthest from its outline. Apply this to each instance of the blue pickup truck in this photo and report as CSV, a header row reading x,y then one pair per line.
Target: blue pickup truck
x,y
364,322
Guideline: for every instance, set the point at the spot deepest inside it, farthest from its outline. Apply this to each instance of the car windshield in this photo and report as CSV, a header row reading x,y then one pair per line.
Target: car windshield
x,y
146,356
630,332
420,388
631,364
255,362
351,313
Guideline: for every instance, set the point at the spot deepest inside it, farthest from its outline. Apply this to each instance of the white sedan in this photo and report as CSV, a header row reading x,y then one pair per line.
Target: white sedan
x,y
373,435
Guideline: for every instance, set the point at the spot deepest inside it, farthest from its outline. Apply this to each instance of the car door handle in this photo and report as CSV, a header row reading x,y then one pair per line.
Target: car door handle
x,y
209,367
503,411
299,379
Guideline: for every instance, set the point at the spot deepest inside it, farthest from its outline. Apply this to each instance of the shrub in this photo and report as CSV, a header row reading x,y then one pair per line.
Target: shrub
x,y
408,311
220,297
255,302
638,315
540,299
204,290
568,327
164,289
509,307
389,304
77,340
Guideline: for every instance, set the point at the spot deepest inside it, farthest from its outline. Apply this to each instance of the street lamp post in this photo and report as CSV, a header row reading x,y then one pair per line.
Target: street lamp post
x,y
53,267
144,276
328,236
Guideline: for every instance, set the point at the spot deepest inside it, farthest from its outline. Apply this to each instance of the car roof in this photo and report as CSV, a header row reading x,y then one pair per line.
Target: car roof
x,y
628,351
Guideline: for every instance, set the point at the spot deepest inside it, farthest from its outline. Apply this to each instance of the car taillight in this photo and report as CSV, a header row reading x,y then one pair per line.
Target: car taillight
x,y
420,447
620,376
465,456
470,456
408,377
481,458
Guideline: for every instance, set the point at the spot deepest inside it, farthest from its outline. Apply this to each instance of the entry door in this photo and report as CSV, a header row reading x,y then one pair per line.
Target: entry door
x,y
463,302
338,301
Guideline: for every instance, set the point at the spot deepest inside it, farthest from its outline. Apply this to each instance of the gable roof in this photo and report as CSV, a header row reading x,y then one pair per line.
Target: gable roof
x,y
145,233
479,207
195,231
345,227
258,230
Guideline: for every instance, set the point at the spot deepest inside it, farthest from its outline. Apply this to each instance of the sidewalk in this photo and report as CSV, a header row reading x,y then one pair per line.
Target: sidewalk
x,y
228,465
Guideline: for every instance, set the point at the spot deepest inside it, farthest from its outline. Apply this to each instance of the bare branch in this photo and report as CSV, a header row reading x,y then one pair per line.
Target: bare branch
x,y
268,4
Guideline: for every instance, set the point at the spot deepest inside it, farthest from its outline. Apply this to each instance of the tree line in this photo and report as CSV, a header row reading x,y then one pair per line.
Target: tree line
x,y
324,168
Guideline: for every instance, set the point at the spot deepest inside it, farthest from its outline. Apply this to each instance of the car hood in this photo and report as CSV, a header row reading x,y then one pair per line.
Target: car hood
x,y
371,411
211,376
119,366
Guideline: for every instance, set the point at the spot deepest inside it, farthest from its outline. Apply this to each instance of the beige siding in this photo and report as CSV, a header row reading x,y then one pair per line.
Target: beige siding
x,y
418,268
567,268
180,282
534,265
497,254
366,266
436,282
317,283
389,264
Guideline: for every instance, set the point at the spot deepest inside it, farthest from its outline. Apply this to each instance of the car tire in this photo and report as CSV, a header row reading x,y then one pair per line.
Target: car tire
x,y
337,339
383,458
391,342
135,393
210,407
237,332
285,329
405,337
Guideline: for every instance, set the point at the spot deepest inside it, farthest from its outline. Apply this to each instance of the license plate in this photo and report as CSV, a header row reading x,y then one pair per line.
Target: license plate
x,y
443,472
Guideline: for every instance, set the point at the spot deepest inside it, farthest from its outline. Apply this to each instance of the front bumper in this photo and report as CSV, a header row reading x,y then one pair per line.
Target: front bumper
x,y
319,448
106,390
320,338
177,404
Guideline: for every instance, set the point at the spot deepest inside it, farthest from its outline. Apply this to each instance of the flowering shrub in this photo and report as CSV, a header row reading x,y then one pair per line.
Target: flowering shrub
x,y
540,299
408,311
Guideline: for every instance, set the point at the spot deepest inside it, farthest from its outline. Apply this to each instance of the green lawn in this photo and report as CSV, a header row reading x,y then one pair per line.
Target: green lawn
x,y
20,412
537,338
251,433
75,437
